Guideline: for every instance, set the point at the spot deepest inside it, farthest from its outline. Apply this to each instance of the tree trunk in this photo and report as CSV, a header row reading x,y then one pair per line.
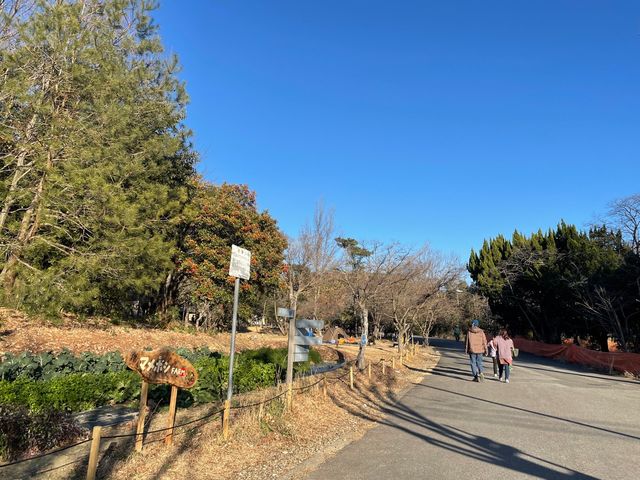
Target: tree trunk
x,y
603,341
316,297
364,338
17,175
28,229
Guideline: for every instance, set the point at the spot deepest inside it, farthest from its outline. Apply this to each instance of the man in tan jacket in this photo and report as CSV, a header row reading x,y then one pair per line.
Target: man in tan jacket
x,y
476,347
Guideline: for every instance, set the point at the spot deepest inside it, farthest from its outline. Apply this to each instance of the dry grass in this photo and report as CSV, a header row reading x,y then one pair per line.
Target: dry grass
x,y
280,442
18,333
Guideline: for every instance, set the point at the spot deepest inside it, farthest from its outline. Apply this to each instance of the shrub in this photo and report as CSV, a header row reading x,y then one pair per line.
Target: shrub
x,y
22,431
66,382
75,392
48,365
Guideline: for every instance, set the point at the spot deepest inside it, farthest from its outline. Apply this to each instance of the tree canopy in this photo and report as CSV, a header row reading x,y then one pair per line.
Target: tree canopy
x,y
96,160
563,283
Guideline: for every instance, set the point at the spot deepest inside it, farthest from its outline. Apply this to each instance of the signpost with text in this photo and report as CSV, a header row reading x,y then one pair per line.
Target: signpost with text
x,y
239,267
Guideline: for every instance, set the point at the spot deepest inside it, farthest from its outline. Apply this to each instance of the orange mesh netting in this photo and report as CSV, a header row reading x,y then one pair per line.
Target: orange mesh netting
x,y
622,362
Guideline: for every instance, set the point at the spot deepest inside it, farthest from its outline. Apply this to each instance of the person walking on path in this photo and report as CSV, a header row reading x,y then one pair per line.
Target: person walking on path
x,y
493,353
476,347
504,346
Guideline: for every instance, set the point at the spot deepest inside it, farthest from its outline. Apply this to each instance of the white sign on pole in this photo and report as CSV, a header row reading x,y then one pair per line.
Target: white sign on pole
x,y
303,340
240,263
286,313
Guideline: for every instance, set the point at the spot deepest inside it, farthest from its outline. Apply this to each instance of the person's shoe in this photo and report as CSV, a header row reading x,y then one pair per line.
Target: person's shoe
x,y
481,377
506,381
475,379
499,379
495,375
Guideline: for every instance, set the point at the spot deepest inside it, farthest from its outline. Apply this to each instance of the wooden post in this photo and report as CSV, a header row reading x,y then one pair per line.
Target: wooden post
x,y
324,385
141,416
369,367
168,439
289,395
94,453
393,362
351,377
384,367
225,419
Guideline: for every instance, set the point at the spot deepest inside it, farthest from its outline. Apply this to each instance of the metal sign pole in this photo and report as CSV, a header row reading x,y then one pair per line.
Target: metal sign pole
x,y
234,321
292,334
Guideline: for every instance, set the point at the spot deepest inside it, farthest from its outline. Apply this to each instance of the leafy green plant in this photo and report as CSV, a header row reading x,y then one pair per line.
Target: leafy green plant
x,y
48,365
75,392
67,382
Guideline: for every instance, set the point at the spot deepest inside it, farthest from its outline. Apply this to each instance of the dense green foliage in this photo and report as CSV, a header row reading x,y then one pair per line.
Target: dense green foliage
x,y
101,212
563,283
96,161
64,382
227,215
47,365
75,392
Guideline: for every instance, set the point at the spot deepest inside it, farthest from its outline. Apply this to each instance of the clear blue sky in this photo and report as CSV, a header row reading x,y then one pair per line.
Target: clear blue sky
x,y
439,121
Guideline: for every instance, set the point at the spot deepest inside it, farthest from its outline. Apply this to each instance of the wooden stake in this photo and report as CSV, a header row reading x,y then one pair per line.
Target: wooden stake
x,y
289,395
369,367
351,377
384,367
94,453
324,385
225,419
393,362
141,416
168,439
261,409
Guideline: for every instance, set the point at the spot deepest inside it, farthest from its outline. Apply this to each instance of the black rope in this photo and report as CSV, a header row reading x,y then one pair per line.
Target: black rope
x,y
263,402
166,428
306,386
149,418
40,472
45,454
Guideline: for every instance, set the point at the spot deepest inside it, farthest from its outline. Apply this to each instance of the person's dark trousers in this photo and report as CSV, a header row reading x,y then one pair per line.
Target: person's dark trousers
x,y
495,365
476,364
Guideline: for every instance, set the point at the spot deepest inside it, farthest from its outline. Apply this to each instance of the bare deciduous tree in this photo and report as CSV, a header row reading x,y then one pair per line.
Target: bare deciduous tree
x,y
624,214
309,258
366,273
424,275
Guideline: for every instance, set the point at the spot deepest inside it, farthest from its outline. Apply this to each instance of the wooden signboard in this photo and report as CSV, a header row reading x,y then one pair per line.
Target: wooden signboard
x,y
160,366
163,366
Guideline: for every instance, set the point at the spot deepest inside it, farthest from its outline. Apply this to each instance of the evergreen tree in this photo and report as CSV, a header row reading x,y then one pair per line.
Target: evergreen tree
x,y
222,216
96,161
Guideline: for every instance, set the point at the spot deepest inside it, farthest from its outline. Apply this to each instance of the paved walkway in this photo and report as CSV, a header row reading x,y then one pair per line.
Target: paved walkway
x,y
553,421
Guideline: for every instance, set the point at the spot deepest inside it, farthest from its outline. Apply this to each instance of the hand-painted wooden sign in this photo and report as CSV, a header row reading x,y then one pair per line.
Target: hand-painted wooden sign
x,y
163,366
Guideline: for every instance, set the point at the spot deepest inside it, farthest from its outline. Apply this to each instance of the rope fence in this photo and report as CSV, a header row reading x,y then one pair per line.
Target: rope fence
x,y
205,419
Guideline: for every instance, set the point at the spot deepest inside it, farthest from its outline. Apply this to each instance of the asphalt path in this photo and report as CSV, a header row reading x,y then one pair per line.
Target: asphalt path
x,y
553,421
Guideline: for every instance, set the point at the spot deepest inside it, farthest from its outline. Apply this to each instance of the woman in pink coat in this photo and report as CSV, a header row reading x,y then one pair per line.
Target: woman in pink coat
x,y
504,345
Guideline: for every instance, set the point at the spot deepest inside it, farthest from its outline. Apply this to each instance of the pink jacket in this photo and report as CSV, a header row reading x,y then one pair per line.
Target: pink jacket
x,y
504,349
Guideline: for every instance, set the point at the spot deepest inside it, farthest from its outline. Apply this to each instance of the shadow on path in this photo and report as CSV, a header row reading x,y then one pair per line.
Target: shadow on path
x,y
408,420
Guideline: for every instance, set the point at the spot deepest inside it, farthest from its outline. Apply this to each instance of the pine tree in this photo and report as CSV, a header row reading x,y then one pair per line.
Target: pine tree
x,y
96,161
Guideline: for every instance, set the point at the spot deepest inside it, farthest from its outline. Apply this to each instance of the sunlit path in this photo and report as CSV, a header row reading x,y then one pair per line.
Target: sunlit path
x,y
552,421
